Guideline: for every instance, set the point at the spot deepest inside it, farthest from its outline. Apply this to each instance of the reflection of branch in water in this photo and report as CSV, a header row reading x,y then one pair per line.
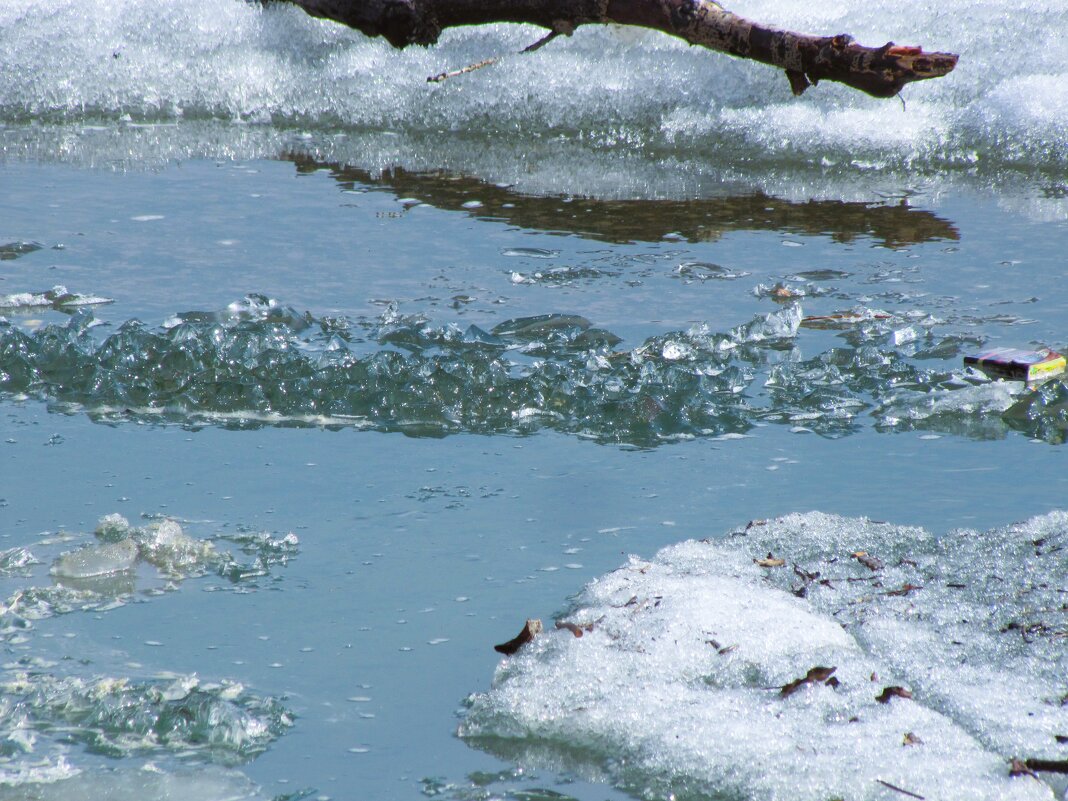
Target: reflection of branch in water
x,y
891,224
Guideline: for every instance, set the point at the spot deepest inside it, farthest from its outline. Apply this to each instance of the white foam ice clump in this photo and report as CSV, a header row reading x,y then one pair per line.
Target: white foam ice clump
x,y
16,559
677,684
781,324
165,545
112,528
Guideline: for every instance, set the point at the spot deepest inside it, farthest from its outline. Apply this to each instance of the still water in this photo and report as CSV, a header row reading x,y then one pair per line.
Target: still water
x,y
471,346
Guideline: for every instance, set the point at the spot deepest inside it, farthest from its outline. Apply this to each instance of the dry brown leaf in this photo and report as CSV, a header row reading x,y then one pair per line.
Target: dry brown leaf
x,y
892,692
911,739
783,292
814,675
820,673
868,560
572,627
531,629
770,561
792,687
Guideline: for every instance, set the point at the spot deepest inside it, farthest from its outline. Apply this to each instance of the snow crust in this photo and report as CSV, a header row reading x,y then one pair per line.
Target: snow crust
x,y
677,682
135,62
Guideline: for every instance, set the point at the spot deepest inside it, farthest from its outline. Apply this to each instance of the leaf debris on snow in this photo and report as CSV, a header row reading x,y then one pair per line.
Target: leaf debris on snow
x,y
531,629
770,561
816,675
892,692
868,560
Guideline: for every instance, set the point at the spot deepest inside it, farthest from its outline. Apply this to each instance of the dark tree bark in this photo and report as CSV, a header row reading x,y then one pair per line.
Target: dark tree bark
x,y
879,71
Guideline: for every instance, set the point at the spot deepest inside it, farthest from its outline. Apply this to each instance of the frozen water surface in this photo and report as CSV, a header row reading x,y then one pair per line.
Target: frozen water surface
x,y
613,294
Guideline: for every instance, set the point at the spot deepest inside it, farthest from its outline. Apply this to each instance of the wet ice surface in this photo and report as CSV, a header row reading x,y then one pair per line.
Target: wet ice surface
x,y
216,784
679,681
51,717
597,242
259,363
423,551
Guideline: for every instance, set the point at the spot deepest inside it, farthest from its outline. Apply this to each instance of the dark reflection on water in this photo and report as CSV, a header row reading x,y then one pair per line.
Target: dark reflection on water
x,y
893,224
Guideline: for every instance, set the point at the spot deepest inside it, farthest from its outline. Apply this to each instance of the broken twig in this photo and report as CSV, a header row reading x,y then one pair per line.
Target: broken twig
x,y
1048,765
487,62
574,628
901,790
904,589
441,76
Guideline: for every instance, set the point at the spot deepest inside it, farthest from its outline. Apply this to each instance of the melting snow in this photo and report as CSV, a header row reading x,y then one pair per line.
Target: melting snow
x,y
678,682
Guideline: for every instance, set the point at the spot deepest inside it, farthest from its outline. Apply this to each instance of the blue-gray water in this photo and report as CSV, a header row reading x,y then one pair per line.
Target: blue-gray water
x,y
327,285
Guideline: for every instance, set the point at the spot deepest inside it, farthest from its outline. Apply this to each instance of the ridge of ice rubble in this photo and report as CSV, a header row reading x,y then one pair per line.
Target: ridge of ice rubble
x,y
676,683
259,362
121,716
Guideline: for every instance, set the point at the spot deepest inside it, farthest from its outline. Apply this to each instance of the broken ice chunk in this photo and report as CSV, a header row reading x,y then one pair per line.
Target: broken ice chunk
x,y
96,560
112,528
165,545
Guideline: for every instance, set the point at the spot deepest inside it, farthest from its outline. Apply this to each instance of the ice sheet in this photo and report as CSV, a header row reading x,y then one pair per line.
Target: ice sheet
x,y
677,685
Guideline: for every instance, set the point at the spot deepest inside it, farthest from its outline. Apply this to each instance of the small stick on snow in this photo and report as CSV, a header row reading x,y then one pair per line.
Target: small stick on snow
x,y
897,789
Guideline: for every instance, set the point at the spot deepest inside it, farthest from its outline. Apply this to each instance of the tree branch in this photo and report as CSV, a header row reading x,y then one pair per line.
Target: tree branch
x,y
807,60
